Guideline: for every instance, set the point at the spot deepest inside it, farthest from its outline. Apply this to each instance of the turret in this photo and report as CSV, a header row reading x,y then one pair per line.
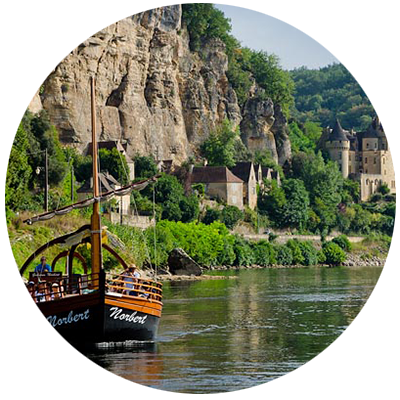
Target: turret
x,y
338,146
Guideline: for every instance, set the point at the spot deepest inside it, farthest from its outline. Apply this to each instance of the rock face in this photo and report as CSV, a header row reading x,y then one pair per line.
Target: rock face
x,y
152,92
181,264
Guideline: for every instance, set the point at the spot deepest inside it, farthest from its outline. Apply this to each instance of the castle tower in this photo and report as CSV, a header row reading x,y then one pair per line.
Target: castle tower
x,y
338,146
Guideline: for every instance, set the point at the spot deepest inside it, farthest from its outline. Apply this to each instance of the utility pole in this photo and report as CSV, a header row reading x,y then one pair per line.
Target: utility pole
x,y
46,187
72,183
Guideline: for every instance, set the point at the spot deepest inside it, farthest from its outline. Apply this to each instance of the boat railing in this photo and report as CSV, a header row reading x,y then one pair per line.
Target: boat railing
x,y
50,287
140,288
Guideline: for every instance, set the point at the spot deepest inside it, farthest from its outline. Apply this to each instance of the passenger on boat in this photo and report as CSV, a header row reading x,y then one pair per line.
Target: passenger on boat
x,y
41,292
55,291
42,267
129,276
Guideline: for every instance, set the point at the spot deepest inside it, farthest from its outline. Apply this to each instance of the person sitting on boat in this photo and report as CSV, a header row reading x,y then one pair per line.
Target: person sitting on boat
x,y
129,276
43,266
41,292
55,291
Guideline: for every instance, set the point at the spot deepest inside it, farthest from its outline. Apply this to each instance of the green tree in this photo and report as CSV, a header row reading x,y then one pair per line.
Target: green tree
x,y
145,166
294,213
230,216
219,147
18,172
116,165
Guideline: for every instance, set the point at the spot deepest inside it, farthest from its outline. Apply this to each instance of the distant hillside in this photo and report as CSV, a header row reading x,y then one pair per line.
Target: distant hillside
x,y
330,92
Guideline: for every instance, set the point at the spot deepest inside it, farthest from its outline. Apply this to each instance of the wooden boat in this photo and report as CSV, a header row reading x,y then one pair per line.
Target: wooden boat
x,y
95,308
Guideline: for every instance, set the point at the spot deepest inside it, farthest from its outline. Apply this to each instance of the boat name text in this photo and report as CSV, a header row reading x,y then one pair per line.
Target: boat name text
x,y
70,319
116,313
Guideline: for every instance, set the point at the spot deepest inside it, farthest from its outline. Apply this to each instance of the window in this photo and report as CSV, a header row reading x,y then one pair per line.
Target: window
x,y
383,160
384,172
367,145
366,160
367,182
376,145
374,160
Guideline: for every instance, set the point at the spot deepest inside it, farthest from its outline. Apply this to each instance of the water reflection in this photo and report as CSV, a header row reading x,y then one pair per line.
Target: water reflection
x,y
224,335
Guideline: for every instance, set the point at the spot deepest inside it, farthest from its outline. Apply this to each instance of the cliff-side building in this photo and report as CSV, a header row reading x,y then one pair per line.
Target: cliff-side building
x,y
220,183
245,171
365,155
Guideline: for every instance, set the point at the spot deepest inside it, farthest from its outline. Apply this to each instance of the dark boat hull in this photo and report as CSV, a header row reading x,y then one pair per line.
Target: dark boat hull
x,y
93,318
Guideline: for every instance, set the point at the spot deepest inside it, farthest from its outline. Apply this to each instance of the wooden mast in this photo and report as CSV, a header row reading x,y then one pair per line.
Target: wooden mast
x,y
95,221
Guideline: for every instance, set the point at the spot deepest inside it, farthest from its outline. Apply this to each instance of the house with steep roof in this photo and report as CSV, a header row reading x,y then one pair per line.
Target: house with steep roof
x,y
220,183
245,171
364,155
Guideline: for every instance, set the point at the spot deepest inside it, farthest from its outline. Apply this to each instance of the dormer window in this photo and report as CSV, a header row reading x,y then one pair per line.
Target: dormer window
x,y
367,145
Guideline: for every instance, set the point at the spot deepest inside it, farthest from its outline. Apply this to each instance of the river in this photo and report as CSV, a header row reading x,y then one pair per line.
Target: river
x,y
225,335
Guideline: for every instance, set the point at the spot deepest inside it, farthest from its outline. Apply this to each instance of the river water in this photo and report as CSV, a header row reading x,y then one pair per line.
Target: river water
x,y
225,335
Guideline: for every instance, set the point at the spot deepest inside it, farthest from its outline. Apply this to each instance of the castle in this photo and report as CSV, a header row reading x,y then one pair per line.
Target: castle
x,y
364,155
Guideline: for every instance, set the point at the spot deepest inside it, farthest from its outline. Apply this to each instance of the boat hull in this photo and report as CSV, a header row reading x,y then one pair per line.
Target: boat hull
x,y
92,319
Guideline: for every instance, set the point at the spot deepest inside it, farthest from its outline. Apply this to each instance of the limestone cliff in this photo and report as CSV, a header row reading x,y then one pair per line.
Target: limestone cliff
x,y
152,91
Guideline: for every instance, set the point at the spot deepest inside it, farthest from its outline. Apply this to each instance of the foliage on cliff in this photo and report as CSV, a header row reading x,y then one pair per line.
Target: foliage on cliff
x,y
328,93
25,180
246,66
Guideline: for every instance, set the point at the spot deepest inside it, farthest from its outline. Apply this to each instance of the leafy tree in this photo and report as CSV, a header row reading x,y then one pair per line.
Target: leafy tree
x,y
116,165
145,166
271,201
230,216
323,94
18,172
204,22
219,147
295,210
276,82
211,215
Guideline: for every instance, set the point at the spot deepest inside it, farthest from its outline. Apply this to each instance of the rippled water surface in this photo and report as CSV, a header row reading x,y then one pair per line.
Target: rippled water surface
x,y
225,335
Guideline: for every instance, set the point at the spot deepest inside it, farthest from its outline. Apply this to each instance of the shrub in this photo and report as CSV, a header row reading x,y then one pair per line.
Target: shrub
x,y
294,246
376,197
211,215
264,253
243,251
343,242
333,253
309,253
230,216
283,255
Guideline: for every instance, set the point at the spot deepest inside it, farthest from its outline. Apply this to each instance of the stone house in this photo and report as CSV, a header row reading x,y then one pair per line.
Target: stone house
x,y
246,172
220,183
363,155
